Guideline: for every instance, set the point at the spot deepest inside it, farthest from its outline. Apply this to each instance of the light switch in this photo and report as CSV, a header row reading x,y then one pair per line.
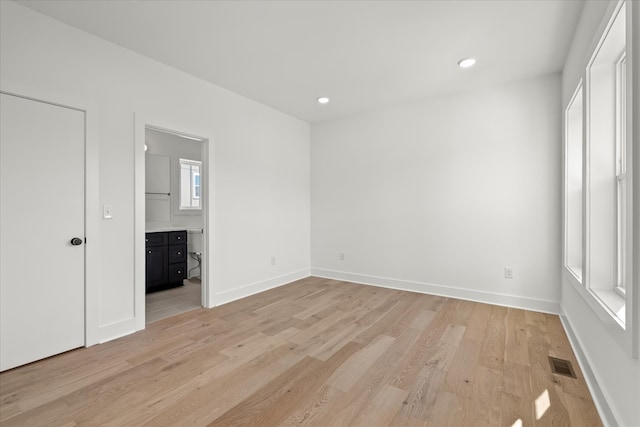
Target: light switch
x,y
107,212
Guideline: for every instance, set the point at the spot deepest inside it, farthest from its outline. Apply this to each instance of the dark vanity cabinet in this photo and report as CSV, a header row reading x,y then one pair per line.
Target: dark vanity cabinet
x,y
166,259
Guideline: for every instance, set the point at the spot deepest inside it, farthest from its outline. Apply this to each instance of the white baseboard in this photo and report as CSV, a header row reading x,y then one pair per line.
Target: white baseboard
x,y
543,306
599,398
116,330
257,287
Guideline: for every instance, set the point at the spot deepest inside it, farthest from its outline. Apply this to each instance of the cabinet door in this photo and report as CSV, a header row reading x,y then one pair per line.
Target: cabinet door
x,y
157,266
157,174
177,273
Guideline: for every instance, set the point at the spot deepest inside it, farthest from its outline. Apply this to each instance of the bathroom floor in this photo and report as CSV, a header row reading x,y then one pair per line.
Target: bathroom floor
x,y
163,304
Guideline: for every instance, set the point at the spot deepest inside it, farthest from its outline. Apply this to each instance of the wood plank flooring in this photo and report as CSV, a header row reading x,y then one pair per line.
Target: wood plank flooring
x,y
314,352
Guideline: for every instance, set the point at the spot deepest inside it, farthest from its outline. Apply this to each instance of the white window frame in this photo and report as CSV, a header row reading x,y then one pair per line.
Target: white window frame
x,y
570,161
621,174
605,248
193,198
195,194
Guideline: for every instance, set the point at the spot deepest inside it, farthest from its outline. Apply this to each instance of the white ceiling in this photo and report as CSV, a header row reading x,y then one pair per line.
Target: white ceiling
x,y
364,55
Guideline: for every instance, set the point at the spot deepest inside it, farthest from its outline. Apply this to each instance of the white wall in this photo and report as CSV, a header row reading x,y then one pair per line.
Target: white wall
x,y
603,346
260,157
176,148
441,195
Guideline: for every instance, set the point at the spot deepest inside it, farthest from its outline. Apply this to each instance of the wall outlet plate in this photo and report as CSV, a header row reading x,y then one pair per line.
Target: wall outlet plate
x,y
107,212
508,273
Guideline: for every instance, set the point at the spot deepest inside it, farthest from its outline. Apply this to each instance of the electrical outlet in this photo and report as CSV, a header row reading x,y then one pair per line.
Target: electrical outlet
x,y
508,273
273,260
341,256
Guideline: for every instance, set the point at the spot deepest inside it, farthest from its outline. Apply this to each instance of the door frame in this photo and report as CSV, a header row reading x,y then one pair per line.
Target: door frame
x,y
92,246
142,121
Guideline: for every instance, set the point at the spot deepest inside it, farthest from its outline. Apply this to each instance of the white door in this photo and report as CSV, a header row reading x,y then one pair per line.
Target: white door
x,y
41,211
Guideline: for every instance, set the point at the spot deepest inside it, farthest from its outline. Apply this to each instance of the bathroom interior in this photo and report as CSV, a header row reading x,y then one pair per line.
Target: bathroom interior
x,y
173,224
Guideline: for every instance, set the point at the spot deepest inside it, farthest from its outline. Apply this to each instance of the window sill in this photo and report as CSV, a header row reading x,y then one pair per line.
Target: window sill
x,y
607,304
576,272
612,302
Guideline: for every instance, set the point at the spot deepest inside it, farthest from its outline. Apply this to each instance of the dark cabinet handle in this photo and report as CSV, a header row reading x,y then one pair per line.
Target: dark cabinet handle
x,y
149,252
76,241
179,237
179,253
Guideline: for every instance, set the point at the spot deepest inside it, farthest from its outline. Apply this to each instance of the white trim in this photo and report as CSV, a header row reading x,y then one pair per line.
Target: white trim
x,y
603,32
117,329
261,286
632,291
626,335
565,244
598,41
93,258
139,224
190,163
143,121
207,185
544,306
599,396
92,195
621,193
615,329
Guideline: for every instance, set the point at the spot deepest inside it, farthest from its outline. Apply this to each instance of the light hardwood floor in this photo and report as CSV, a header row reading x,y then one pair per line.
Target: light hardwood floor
x,y
315,352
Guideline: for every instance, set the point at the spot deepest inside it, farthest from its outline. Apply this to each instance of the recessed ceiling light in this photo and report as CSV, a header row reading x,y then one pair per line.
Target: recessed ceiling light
x,y
467,62
323,100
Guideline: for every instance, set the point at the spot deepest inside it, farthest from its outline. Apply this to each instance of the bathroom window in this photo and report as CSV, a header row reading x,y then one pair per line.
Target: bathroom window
x,y
190,186
196,185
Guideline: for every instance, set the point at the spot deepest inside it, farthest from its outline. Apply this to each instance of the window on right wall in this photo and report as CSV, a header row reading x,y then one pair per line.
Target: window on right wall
x,y
605,171
621,173
573,242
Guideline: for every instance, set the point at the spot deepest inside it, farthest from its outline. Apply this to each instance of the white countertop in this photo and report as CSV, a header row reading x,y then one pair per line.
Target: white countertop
x,y
159,229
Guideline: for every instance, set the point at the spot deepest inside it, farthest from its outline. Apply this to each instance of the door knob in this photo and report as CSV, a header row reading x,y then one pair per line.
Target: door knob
x,y
76,241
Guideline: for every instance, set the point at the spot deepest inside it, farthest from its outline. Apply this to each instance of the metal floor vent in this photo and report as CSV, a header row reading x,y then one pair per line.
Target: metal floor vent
x,y
561,367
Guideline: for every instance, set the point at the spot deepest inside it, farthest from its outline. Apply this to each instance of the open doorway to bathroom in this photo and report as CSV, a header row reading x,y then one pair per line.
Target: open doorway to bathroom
x,y
174,223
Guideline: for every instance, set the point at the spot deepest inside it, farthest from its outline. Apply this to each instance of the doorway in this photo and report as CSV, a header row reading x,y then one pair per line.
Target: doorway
x,y
173,208
172,192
